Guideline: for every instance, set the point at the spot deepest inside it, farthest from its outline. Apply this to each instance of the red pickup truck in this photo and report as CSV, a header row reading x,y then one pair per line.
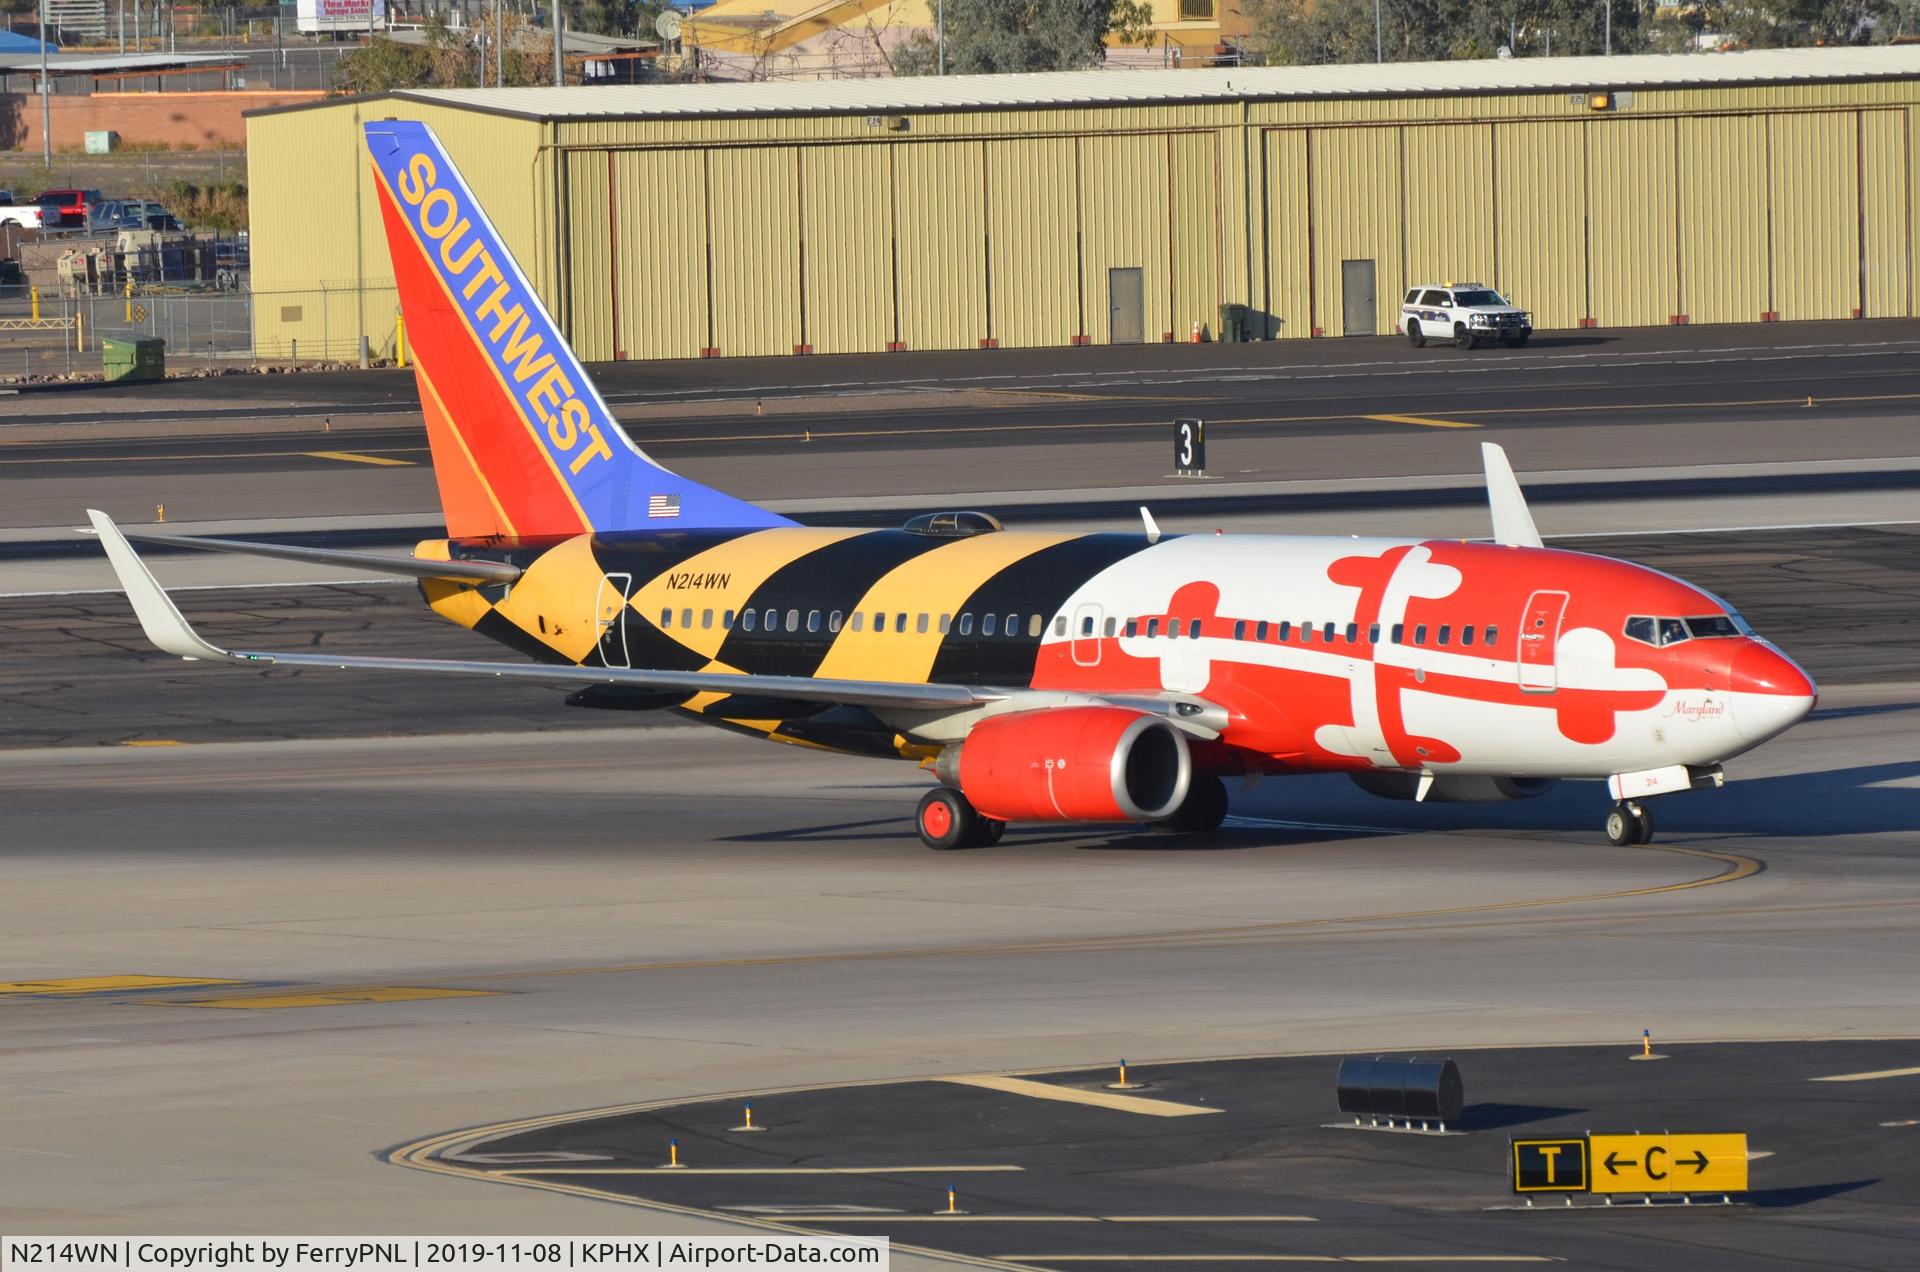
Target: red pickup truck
x,y
67,207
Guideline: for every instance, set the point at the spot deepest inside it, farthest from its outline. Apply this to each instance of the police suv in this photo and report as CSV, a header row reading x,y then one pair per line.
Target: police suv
x,y
1465,313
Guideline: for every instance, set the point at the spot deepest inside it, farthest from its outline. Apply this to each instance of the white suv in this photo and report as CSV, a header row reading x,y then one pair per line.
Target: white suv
x,y
1465,313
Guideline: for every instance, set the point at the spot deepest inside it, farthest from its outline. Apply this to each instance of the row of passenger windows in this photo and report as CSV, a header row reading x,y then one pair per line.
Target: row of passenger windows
x,y
774,620
1442,634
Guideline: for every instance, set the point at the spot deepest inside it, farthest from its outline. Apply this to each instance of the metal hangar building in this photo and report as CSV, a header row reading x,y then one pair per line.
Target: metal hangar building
x,y
729,220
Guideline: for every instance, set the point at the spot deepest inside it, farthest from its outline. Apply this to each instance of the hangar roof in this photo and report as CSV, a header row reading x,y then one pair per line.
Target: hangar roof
x,y
1125,88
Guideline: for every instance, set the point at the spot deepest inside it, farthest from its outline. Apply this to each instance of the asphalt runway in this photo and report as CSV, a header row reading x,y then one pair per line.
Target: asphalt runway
x,y
362,944
319,919
1245,1160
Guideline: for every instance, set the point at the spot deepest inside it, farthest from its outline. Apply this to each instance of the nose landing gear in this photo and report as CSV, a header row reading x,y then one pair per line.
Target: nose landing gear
x,y
1629,822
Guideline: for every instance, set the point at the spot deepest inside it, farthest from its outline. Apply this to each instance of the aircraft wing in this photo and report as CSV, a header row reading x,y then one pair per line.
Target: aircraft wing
x,y
379,563
170,631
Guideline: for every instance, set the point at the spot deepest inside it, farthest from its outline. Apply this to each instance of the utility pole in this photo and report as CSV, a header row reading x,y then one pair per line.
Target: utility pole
x,y
123,28
1379,32
499,44
559,67
46,104
1609,28
940,40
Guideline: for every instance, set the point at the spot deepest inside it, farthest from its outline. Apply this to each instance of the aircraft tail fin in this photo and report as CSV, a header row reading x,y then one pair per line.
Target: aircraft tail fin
x,y
523,444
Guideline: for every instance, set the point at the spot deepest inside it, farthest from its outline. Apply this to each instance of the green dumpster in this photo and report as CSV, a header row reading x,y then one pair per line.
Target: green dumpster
x,y
1233,324
144,359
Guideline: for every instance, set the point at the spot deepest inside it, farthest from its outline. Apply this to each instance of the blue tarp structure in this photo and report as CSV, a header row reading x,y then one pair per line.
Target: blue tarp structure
x,y
14,42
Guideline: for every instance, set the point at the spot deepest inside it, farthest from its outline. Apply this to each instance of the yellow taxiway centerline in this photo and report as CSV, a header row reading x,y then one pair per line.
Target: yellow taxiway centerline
x,y
110,984
1868,1077
1074,1095
1423,421
351,457
760,1170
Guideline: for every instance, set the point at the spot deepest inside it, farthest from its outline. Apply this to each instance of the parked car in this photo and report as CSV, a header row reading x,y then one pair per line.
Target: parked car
x,y
1465,313
117,214
26,216
70,205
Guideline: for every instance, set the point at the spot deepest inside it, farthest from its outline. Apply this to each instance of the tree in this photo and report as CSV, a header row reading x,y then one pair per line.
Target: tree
x,y
986,36
381,65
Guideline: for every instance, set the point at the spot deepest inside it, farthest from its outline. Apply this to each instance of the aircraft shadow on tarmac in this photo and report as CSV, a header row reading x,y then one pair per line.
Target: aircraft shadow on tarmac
x,y
1786,1198
1493,1117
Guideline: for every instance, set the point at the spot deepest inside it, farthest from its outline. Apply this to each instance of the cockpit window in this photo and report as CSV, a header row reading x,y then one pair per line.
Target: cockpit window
x,y
1640,628
1672,630
1659,631
1718,625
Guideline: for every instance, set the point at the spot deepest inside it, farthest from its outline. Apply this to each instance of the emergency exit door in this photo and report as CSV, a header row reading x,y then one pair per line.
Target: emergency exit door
x,y
610,609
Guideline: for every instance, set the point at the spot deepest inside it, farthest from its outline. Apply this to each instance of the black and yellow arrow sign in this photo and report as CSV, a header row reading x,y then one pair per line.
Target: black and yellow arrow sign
x,y
1668,1163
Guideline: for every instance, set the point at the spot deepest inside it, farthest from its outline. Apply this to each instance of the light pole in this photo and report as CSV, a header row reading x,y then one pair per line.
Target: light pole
x,y
46,104
558,66
1379,43
1609,28
499,44
940,40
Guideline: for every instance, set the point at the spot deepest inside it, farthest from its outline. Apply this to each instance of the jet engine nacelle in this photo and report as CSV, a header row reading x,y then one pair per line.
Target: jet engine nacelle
x,y
1454,788
1071,764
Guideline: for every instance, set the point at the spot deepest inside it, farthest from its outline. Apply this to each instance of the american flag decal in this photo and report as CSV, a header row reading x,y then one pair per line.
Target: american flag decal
x,y
663,505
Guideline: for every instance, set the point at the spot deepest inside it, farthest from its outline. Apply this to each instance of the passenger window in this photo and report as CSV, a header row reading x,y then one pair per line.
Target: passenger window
x,y
1446,633
946,624
706,618
1493,635
966,624
1153,627
1466,634
726,621
1240,629
771,620
900,621
920,624
1194,631
1329,633
833,621
1420,634
747,618
1286,632
1174,627
1373,634
1036,624
793,620
1434,298
1113,625
686,618
1133,627
1060,625
666,618
1353,633
859,620
1399,633
1086,625
1260,631
813,620
989,624
1012,625
1306,633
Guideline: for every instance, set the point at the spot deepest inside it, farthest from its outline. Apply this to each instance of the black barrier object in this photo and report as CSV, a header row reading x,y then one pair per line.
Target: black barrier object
x,y
1413,1090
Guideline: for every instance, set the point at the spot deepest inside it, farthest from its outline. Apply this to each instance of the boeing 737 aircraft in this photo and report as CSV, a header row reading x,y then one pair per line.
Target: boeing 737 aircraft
x,y
1039,677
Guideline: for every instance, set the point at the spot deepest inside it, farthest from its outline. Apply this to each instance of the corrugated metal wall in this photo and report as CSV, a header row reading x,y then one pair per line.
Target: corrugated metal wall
x,y
762,236
1633,222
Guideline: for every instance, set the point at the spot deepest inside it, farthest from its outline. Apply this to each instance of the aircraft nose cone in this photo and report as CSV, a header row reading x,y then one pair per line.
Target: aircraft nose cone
x,y
1770,692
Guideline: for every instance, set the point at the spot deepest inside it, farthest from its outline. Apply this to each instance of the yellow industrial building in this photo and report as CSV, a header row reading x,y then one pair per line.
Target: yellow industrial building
x,y
678,221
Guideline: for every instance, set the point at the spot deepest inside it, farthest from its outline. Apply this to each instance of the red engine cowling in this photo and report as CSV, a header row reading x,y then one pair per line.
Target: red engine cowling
x,y
1072,764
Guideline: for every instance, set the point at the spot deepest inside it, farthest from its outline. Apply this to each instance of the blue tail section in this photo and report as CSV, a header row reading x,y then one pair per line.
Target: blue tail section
x,y
523,443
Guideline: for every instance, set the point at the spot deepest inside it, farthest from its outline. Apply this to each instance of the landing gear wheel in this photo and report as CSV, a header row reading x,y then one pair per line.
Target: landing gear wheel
x,y
1629,824
1414,336
946,820
1204,808
1462,338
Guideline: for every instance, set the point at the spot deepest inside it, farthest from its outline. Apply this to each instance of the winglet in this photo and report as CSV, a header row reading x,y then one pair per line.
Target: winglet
x,y
1153,527
1512,523
158,615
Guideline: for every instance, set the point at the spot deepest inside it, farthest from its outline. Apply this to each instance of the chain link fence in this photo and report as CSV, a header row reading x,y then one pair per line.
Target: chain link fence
x,y
205,331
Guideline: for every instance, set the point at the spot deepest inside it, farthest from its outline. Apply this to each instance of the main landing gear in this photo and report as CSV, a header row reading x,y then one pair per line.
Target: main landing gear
x,y
1629,823
947,820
